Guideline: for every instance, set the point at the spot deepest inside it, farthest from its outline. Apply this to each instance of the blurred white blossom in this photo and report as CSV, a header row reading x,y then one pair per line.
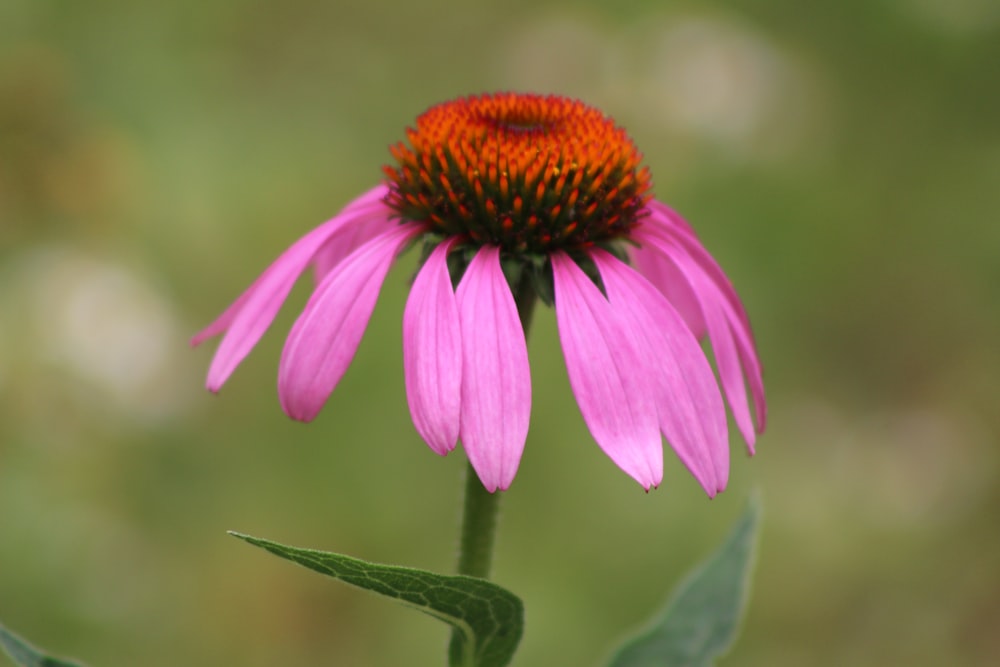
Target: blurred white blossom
x,y
106,331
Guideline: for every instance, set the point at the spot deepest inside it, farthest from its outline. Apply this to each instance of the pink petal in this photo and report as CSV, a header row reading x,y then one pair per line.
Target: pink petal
x,y
327,333
671,283
608,373
246,320
373,196
671,217
730,337
721,335
369,205
668,224
691,413
432,353
496,380
754,373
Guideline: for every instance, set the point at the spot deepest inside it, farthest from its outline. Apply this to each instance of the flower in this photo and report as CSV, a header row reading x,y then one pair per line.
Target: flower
x,y
516,197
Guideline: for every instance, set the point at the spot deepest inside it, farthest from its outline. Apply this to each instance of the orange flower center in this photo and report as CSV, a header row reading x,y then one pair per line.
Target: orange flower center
x,y
529,173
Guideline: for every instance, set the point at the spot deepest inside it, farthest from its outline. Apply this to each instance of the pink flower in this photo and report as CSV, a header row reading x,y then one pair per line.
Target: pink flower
x,y
518,197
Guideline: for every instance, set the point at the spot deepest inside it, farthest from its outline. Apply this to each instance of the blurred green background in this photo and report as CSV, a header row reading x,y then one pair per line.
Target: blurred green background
x,y
841,160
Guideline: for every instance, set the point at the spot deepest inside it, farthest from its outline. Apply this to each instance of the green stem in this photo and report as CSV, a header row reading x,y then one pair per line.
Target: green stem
x,y
479,523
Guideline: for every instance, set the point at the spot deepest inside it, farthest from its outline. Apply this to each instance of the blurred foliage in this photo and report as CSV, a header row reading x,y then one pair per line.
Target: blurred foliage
x,y
841,160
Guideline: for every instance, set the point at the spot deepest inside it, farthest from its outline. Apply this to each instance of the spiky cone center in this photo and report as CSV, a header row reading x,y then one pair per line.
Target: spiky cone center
x,y
529,173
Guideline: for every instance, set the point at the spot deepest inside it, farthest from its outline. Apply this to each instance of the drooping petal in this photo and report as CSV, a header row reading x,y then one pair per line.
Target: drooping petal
x,y
432,353
721,335
608,373
691,413
343,244
373,196
496,380
666,222
754,373
326,335
671,283
669,225
730,336
670,217
247,318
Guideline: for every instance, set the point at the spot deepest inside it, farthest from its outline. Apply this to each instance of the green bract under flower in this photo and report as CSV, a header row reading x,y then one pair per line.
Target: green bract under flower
x,y
528,173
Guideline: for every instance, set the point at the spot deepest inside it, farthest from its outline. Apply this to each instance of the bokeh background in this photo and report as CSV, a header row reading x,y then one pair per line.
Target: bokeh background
x,y
842,160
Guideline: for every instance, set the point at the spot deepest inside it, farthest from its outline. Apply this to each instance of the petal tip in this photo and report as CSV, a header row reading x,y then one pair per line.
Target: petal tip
x,y
718,487
438,448
648,479
210,331
302,417
299,412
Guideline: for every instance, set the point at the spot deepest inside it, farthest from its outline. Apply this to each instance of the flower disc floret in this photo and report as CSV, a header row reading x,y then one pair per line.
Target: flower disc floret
x,y
528,173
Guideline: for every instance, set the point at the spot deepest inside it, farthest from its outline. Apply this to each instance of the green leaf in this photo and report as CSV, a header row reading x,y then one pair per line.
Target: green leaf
x,y
702,617
26,655
488,620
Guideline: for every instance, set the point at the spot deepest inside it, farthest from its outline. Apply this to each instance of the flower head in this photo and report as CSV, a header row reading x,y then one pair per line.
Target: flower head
x,y
528,174
517,197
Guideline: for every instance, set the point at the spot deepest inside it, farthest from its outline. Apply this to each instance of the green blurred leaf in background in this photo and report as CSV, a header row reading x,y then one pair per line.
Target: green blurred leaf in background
x,y
26,655
701,619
